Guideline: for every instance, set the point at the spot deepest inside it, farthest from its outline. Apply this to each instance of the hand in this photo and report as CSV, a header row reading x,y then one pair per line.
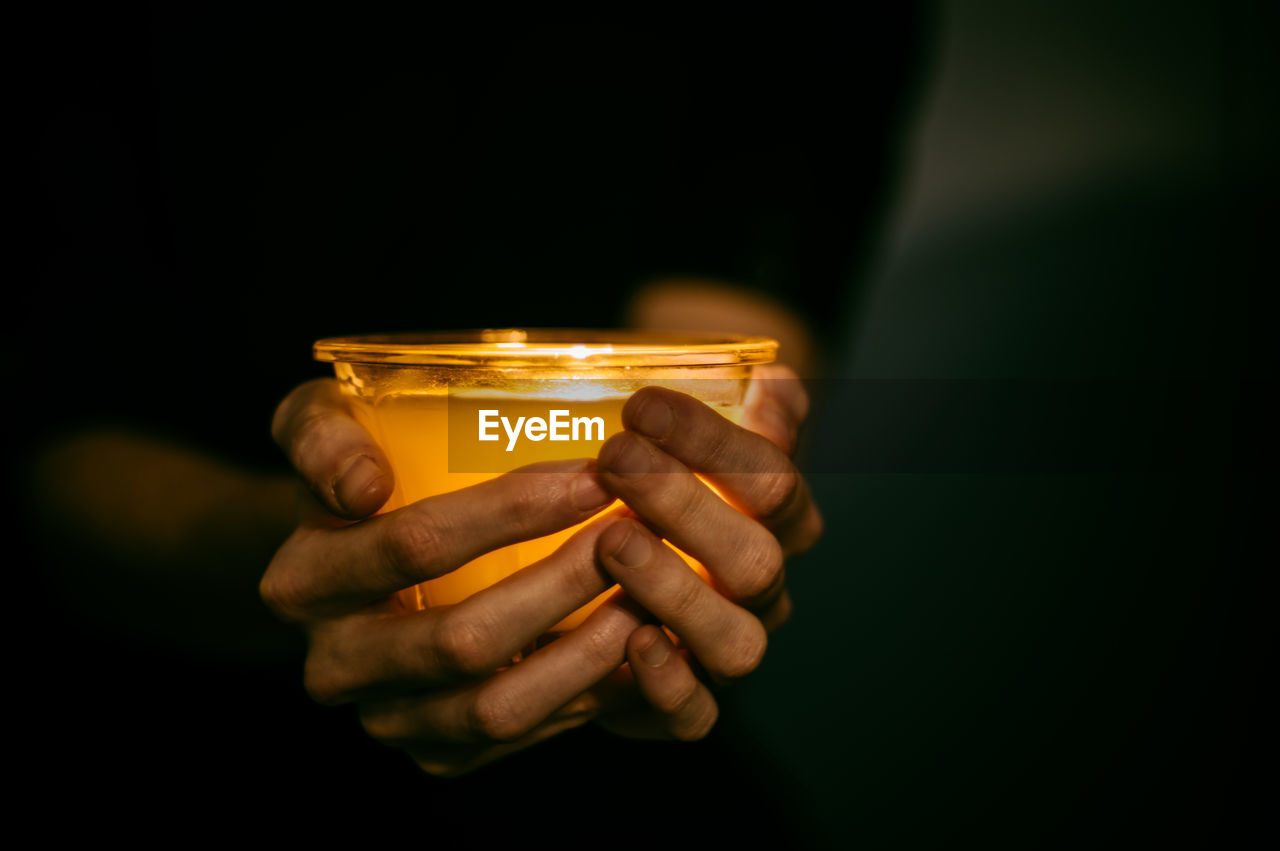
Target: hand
x,y
669,437
439,683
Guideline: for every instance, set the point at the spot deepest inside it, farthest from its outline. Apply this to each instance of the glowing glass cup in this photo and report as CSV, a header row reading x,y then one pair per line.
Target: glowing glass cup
x,y
414,392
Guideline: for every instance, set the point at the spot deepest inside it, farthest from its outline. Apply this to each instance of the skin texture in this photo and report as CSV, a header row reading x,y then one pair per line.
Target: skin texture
x,y
439,683
124,519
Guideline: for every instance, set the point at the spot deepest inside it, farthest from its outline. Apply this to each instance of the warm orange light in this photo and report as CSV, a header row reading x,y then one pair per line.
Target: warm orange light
x,y
416,392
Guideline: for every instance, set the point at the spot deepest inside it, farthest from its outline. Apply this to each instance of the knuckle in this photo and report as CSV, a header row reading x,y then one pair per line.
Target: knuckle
x,y
811,531
778,492
760,572
282,419
273,593
807,536
381,725
681,699
583,578
464,646
328,676
414,542
681,597
783,613
689,496
320,683
745,655
279,419
678,498
699,727
285,593
304,428
718,437
494,716
530,501
602,651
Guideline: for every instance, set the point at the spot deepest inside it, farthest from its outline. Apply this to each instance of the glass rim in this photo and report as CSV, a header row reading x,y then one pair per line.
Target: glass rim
x,y
572,348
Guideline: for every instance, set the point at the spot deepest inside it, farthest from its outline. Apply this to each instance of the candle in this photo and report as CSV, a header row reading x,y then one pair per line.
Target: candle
x,y
453,410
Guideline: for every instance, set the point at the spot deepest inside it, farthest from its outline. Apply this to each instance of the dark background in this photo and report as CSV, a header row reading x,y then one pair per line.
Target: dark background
x,y
1018,656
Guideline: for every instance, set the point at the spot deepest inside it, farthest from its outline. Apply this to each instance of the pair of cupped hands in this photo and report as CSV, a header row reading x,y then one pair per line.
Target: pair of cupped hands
x,y
440,683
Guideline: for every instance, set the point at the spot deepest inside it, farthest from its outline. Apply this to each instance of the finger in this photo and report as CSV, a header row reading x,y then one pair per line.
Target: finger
x,y
324,572
684,707
775,616
781,381
370,655
727,640
332,452
449,760
509,705
751,471
776,406
680,508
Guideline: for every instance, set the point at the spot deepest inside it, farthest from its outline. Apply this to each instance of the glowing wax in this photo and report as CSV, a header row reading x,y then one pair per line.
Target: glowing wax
x,y
420,397
414,429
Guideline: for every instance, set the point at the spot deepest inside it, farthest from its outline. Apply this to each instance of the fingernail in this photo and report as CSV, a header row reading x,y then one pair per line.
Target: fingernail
x,y
355,480
629,547
651,414
626,455
655,653
587,493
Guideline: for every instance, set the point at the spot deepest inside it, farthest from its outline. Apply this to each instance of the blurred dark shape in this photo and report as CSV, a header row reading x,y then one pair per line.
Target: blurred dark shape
x,y
1039,658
